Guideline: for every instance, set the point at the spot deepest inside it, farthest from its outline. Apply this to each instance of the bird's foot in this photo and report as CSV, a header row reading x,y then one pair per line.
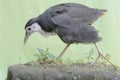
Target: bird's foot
x,y
102,56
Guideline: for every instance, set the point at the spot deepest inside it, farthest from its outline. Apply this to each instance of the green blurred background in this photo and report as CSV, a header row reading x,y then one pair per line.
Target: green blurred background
x,y
15,13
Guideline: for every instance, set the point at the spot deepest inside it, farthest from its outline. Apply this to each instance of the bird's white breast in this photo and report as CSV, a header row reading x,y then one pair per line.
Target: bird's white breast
x,y
41,31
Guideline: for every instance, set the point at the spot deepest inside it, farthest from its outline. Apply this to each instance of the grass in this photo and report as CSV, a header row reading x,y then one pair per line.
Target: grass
x,y
45,56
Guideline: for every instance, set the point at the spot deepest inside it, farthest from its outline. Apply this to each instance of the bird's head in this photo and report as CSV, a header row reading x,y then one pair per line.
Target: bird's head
x,y
31,27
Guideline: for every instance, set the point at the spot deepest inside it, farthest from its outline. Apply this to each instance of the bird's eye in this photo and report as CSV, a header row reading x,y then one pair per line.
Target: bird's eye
x,y
29,29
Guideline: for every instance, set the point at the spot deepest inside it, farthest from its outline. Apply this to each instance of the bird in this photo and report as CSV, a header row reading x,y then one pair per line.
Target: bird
x,y
72,22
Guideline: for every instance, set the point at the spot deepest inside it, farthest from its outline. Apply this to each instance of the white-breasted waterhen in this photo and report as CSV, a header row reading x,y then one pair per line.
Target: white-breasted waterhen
x,y
70,21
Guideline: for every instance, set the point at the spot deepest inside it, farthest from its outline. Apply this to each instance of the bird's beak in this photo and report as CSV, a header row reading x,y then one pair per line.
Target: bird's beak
x,y
27,35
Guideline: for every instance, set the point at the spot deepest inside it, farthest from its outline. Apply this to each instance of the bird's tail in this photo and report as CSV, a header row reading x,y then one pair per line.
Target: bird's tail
x,y
101,12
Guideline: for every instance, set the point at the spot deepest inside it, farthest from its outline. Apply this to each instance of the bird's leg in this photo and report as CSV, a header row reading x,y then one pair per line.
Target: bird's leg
x,y
66,47
100,55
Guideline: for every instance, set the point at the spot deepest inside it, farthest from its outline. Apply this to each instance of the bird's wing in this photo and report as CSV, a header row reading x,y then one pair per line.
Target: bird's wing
x,y
71,30
77,12
66,28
